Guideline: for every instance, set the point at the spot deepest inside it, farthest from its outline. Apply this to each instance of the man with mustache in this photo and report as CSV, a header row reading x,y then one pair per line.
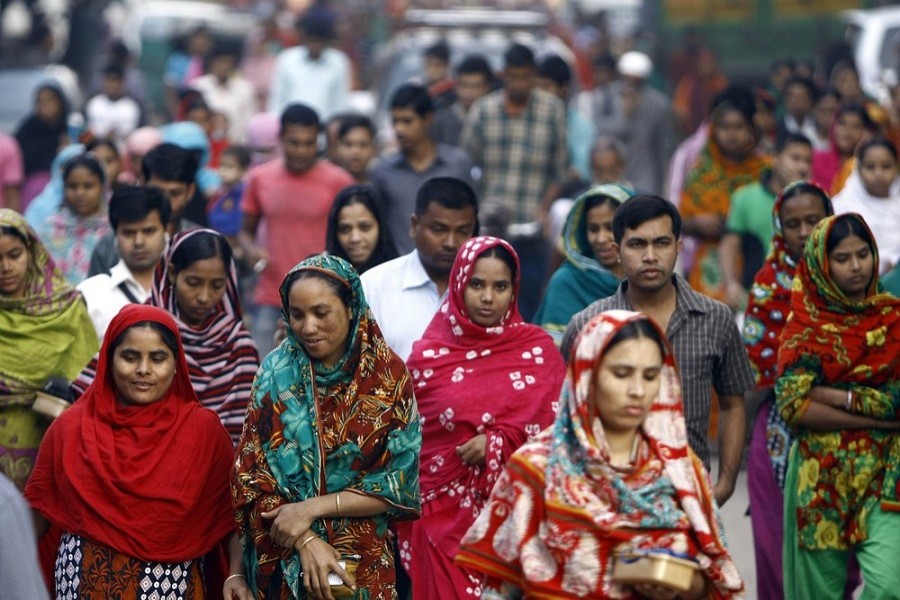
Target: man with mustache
x,y
708,348
404,293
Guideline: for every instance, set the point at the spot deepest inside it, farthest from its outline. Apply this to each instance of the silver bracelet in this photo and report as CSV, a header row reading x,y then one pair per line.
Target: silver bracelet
x,y
849,403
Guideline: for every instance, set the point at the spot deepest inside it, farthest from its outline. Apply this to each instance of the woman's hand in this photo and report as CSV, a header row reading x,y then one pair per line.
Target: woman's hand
x,y
290,522
319,559
473,451
236,588
655,592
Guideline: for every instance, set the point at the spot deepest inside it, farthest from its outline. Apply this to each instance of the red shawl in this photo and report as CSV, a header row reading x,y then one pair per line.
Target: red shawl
x,y
150,482
770,298
502,381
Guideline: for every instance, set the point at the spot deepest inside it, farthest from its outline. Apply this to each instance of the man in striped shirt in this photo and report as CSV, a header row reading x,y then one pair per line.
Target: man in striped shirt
x,y
704,336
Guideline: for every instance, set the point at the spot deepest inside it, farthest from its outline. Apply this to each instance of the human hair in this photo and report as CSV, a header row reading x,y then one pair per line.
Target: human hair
x,y
876,142
169,338
133,203
846,64
200,246
501,253
475,64
449,192
317,24
595,200
339,287
413,96
86,161
518,56
805,187
13,232
240,153
169,162
222,49
856,109
734,97
780,63
351,122
640,209
847,225
300,115
102,142
803,82
787,138
555,69
369,197
640,328
438,51
605,61
114,70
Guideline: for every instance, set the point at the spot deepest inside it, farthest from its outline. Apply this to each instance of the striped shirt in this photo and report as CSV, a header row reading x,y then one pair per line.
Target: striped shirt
x,y
520,156
708,351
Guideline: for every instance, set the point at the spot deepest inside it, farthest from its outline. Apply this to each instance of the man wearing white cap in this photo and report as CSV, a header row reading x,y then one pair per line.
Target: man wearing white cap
x,y
642,120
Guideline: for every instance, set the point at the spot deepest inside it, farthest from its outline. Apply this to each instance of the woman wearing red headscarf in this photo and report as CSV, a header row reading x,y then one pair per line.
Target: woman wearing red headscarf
x,y
485,383
136,472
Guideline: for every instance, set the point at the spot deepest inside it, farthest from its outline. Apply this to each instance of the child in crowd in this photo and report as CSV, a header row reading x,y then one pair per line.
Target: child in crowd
x,y
873,191
224,210
71,233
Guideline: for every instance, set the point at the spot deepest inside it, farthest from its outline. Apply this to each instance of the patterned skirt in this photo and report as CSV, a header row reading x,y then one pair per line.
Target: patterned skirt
x,y
86,570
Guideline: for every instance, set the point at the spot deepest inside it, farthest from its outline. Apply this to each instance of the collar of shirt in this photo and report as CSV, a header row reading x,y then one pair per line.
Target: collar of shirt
x,y
414,274
120,274
399,161
686,299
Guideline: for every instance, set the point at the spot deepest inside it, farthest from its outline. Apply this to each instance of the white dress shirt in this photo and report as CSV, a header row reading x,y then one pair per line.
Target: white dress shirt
x,y
403,299
323,84
105,298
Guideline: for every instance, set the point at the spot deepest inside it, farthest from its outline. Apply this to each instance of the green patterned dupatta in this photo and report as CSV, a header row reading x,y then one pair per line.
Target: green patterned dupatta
x,y
312,430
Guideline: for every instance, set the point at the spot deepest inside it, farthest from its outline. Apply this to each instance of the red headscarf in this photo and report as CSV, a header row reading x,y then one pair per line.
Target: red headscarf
x,y
150,482
502,381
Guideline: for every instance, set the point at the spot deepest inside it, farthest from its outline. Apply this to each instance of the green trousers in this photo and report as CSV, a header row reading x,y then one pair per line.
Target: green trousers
x,y
822,574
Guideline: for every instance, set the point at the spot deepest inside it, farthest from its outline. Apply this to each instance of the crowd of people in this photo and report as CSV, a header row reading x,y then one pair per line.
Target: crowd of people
x,y
253,353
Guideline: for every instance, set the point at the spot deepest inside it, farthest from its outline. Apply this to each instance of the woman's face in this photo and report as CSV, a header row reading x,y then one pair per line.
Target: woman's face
x,y
110,161
489,292
848,131
47,106
84,191
628,381
14,261
600,234
199,288
357,232
878,170
733,133
319,319
851,265
799,214
143,367
824,110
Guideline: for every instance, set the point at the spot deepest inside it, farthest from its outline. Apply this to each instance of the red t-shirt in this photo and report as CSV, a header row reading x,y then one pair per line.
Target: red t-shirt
x,y
295,208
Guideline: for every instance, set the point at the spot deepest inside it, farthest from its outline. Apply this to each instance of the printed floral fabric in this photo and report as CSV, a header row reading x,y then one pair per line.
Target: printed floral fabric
x,y
561,510
708,191
70,239
768,307
312,430
832,341
500,381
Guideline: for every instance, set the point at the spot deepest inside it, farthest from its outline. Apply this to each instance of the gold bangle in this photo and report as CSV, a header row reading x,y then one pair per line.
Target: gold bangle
x,y
306,541
337,504
241,575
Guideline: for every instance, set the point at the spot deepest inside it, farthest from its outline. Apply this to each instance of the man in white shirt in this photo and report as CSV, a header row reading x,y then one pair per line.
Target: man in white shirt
x,y
404,293
312,74
138,216
227,92
111,113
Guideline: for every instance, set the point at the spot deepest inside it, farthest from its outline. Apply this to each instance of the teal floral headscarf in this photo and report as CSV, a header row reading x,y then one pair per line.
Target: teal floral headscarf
x,y
581,279
313,430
